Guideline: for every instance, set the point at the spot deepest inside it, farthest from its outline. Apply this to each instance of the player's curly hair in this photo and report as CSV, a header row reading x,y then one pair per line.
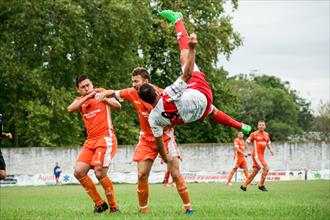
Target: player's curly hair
x,y
140,71
147,93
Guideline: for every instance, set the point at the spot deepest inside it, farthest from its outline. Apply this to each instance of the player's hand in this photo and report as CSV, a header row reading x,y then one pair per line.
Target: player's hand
x,y
271,152
99,90
192,41
100,96
90,95
7,135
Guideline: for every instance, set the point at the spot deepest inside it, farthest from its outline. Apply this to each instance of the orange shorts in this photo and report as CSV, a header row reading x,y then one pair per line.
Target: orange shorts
x,y
240,163
259,161
99,151
147,149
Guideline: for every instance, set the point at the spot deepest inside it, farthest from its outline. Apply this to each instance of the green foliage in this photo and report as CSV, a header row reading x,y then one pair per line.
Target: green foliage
x,y
268,98
45,44
323,121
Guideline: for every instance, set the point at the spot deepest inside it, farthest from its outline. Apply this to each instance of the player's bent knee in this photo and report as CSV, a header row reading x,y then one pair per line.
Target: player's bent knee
x,y
143,176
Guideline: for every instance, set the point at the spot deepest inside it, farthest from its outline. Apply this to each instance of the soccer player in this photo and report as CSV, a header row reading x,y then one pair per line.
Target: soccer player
x,y
260,140
146,151
239,156
101,144
57,173
189,98
2,161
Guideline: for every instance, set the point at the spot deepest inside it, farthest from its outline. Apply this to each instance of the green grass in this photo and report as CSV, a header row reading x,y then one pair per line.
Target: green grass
x,y
285,200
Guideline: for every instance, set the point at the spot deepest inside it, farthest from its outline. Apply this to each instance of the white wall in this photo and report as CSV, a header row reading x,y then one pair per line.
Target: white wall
x,y
196,158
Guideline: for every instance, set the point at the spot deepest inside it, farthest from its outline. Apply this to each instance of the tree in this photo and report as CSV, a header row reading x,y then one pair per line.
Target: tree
x,y
45,44
323,121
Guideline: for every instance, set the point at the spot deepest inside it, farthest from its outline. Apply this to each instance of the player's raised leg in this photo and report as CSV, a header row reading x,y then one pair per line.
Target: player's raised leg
x,y
181,32
222,118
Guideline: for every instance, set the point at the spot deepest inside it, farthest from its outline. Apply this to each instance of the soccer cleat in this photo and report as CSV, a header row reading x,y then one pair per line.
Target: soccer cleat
x,y
243,188
114,210
171,16
262,188
101,208
246,129
189,211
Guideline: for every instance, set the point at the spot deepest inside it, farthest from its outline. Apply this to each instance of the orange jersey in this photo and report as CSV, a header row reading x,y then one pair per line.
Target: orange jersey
x,y
143,109
260,141
97,118
240,144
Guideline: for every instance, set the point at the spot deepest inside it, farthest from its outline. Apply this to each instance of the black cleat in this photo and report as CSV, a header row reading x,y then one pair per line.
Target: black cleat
x,y
243,188
262,188
101,208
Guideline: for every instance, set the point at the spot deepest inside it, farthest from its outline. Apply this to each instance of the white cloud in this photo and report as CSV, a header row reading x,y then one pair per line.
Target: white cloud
x,y
288,39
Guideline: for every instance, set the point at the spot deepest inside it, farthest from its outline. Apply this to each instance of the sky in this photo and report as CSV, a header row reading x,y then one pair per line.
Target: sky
x,y
287,39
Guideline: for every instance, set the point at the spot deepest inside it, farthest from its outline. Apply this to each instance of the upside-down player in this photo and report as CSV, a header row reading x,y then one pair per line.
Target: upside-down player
x,y
100,146
239,156
146,151
189,98
260,140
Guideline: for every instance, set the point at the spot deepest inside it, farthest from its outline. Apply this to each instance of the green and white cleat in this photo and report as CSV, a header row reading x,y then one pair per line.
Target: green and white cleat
x,y
171,16
246,129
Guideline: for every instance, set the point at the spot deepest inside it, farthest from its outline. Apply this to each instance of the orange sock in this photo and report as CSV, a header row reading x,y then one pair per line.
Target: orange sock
x,y
109,192
182,188
231,174
91,190
263,176
250,178
143,192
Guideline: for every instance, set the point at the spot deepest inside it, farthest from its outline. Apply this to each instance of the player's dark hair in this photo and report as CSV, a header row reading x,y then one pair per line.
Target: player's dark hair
x,y
261,121
147,93
80,78
140,71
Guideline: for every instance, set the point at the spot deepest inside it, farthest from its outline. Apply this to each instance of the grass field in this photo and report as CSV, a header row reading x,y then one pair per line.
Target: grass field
x,y
285,200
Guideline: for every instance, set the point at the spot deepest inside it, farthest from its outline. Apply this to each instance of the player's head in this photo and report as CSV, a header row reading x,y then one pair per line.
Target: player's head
x,y
148,93
84,85
261,125
56,163
140,76
240,134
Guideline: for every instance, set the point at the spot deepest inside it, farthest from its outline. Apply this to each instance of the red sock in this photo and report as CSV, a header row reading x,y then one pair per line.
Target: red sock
x,y
181,34
221,118
91,190
166,177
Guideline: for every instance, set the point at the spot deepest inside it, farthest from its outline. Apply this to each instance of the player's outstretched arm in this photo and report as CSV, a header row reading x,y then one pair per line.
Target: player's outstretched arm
x,y
100,95
189,66
76,104
161,148
113,103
